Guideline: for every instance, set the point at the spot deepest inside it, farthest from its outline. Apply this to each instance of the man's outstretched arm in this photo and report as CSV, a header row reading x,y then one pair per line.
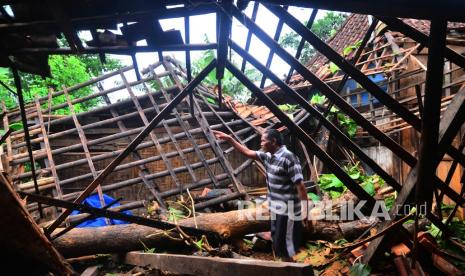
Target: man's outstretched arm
x,y
241,148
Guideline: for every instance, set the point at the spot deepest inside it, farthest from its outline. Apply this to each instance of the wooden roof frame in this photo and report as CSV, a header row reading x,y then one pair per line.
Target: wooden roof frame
x,y
436,132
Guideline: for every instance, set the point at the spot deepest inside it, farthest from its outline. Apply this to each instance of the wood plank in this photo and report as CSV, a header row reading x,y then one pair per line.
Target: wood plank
x,y
347,67
6,127
85,147
449,126
195,265
51,162
22,239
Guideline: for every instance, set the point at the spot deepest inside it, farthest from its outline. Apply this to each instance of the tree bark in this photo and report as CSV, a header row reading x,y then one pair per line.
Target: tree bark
x,y
229,225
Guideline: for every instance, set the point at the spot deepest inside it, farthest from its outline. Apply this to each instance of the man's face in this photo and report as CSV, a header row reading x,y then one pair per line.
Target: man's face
x,y
266,144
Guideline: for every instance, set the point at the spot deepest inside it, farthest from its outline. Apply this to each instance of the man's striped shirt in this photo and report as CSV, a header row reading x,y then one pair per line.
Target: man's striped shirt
x,y
283,173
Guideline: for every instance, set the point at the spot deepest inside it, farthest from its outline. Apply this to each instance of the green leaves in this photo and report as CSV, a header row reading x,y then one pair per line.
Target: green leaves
x,y
313,197
317,99
347,125
287,108
211,100
360,269
66,71
335,188
175,214
350,48
16,126
333,68
332,185
324,28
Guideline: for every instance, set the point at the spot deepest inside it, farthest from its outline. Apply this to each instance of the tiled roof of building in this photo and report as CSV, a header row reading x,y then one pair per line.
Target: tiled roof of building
x,y
353,30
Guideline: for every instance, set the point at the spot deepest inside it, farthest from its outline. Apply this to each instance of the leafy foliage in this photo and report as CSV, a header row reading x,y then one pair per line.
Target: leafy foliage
x,y
458,228
313,197
333,68
324,28
350,48
287,108
317,99
346,124
335,188
231,86
66,71
360,269
175,214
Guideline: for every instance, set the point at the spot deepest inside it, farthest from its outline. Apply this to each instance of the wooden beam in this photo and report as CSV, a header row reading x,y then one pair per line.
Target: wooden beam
x,y
143,169
430,122
206,128
23,241
117,215
277,34
356,57
450,123
249,33
82,23
117,50
346,66
48,149
19,92
325,89
139,147
450,10
151,134
304,137
225,22
301,43
340,136
185,124
398,25
182,264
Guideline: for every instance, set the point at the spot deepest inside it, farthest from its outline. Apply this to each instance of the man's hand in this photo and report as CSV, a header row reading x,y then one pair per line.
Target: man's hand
x,y
242,148
221,135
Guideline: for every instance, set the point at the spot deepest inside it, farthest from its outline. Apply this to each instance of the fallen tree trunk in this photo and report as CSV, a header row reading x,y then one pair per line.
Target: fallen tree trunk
x,y
230,225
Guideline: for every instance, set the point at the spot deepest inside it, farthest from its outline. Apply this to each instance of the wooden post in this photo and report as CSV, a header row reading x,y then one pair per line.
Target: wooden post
x,y
51,162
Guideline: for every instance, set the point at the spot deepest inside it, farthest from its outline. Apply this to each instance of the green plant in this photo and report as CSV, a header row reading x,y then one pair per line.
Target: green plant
x,y
318,99
347,124
287,108
313,197
333,68
332,185
335,188
324,28
350,48
360,269
175,214
231,86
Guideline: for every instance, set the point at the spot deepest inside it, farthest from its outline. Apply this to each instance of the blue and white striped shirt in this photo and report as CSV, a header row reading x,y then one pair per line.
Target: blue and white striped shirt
x,y
283,173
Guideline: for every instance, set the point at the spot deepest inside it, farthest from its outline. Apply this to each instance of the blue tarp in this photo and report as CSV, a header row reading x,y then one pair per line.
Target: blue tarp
x,y
94,201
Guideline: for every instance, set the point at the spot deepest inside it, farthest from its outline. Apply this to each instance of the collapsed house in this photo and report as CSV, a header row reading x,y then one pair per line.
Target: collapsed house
x,y
147,140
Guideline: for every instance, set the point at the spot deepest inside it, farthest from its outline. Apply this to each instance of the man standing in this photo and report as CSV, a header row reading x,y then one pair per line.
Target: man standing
x,y
286,190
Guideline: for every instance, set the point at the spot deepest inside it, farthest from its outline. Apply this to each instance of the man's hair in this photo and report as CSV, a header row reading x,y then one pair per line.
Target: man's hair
x,y
274,134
